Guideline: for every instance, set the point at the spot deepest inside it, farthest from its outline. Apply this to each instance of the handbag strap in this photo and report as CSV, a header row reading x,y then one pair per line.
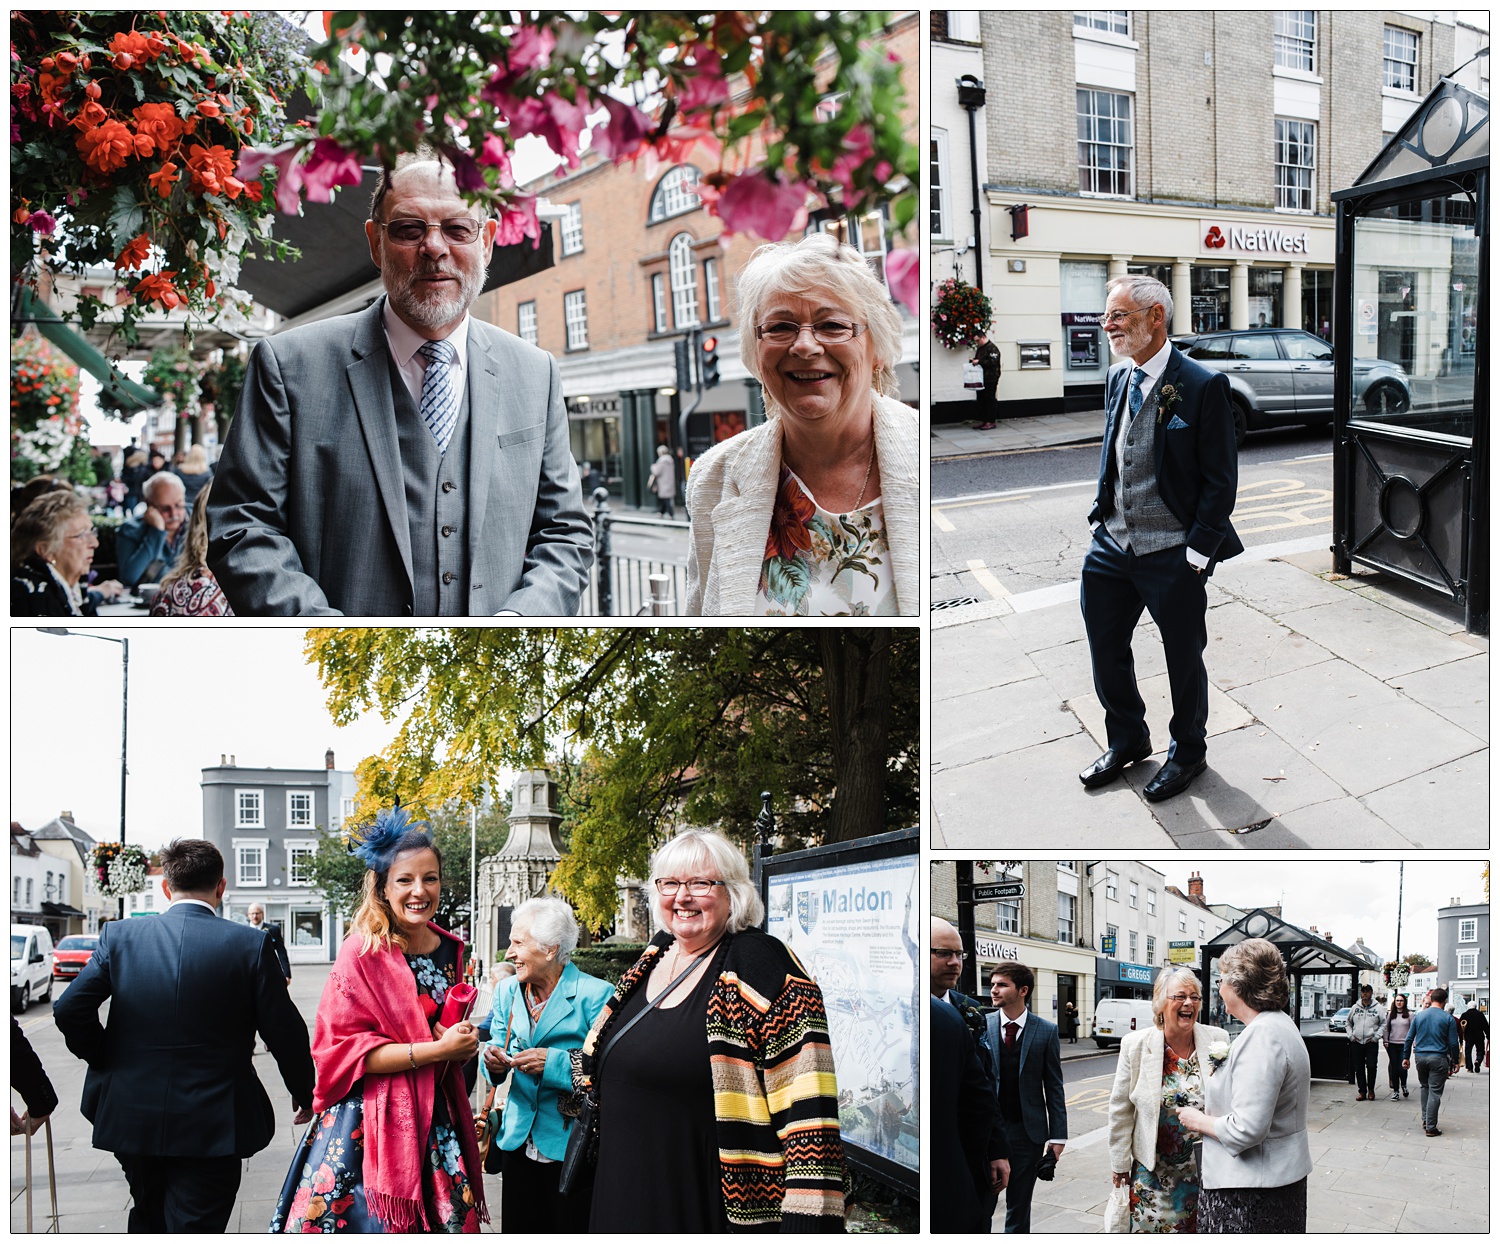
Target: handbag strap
x,y
651,1006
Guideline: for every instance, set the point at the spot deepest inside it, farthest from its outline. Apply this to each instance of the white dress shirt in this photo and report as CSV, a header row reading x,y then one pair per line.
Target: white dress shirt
x,y
404,341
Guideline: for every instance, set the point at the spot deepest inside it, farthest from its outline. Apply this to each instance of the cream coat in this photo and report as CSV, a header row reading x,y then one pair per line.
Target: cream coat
x,y
1258,1101
732,488
1135,1101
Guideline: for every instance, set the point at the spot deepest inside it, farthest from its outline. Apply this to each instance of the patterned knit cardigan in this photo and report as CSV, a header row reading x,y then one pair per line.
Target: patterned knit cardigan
x,y
781,1160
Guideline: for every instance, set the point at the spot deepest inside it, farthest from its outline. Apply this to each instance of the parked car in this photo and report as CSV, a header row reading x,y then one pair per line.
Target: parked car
x,y
30,965
1339,1020
1282,376
72,954
1114,1017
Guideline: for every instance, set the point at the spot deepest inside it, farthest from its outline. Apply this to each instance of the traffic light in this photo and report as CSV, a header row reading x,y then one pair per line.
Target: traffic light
x,y
684,360
710,362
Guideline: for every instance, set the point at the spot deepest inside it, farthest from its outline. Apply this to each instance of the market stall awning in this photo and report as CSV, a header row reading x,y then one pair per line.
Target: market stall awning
x,y
120,391
63,911
336,256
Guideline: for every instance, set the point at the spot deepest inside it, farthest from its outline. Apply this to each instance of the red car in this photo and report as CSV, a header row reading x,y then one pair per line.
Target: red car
x,y
71,954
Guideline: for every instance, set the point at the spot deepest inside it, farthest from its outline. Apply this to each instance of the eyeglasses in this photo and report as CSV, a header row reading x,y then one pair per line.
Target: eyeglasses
x,y
89,535
1114,317
825,332
698,887
460,232
960,955
1177,999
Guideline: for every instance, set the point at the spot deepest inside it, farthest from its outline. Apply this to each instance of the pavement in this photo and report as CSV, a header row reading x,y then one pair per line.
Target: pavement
x,y
1343,711
957,440
1374,1170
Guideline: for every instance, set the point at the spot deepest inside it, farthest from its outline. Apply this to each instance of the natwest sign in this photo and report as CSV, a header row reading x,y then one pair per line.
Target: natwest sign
x,y
1218,238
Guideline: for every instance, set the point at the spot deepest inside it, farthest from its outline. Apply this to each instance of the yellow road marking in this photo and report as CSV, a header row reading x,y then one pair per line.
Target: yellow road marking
x,y
1089,1097
941,523
987,581
965,505
1279,503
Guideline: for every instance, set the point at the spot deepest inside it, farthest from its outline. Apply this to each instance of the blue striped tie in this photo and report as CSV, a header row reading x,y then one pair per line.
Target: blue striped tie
x,y
1137,379
439,402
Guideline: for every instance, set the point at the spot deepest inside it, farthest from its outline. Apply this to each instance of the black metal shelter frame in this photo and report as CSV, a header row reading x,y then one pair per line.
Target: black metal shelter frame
x,y
1411,484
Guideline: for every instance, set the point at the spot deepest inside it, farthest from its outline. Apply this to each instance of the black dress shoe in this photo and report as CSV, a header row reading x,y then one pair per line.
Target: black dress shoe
x,y
1172,779
1110,765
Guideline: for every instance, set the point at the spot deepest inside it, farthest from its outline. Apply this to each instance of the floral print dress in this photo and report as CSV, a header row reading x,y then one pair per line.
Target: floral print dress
x,y
1166,1199
821,564
324,1190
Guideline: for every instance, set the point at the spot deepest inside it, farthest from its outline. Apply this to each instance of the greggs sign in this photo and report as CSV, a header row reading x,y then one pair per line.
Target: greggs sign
x,y
1221,239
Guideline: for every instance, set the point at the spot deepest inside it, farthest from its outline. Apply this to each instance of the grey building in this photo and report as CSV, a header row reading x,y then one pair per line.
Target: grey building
x,y
267,822
1464,953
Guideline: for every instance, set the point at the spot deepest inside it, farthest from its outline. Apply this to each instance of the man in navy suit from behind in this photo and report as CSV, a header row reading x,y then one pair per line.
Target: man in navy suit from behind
x,y
170,1088
1168,472
1028,1084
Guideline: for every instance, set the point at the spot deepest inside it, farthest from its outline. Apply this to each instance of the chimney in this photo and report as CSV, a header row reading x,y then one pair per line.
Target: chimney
x,y
65,816
328,759
231,760
1195,887
222,759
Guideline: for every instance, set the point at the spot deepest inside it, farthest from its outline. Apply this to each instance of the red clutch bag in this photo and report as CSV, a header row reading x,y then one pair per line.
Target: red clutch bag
x,y
458,1004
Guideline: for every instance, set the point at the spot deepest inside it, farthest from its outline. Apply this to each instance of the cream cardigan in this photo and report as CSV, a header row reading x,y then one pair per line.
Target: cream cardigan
x,y
1135,1101
730,493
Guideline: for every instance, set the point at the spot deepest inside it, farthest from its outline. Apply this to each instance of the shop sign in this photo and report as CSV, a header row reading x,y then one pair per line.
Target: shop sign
x,y
1135,973
1219,238
1083,318
1182,952
1107,944
595,406
1000,952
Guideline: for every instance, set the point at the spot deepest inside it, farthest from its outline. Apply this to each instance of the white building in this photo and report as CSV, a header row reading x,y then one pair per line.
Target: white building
x,y
1141,924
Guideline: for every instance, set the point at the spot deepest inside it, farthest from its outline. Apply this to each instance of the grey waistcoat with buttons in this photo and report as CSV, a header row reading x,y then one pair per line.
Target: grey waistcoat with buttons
x,y
1141,522
437,510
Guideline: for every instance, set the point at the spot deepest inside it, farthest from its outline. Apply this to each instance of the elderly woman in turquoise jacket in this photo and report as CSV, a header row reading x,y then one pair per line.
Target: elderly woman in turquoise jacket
x,y
540,1014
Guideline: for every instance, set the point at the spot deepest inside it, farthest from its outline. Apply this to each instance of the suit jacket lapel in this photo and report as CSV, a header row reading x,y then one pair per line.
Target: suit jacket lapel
x,y
1027,1031
485,399
370,387
1174,365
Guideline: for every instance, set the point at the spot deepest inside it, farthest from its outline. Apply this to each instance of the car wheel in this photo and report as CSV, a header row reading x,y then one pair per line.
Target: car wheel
x,y
1385,398
1241,420
47,997
20,999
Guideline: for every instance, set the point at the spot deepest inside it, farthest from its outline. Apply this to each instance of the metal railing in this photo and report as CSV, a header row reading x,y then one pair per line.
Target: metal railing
x,y
623,584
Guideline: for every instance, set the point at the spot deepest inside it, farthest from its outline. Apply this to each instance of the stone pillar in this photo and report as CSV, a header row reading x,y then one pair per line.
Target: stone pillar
x,y
1182,296
1291,296
1117,266
1239,296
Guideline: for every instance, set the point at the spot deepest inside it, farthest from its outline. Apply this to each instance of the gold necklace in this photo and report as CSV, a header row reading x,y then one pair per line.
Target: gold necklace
x,y
869,467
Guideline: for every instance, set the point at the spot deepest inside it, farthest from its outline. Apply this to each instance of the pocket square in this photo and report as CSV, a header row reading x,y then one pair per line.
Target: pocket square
x,y
1176,423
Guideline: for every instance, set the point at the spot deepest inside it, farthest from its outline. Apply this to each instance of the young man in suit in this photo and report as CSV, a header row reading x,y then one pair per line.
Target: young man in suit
x,y
406,460
1168,472
1029,1086
170,1088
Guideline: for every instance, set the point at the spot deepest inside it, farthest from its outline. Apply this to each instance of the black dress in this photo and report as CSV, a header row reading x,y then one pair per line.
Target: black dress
x,y
658,1151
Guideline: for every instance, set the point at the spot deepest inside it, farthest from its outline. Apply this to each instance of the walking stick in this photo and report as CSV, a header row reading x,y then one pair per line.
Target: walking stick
x,y
28,1183
56,1228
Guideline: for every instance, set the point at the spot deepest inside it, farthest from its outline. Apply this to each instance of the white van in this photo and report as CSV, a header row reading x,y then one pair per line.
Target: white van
x,y
30,965
1114,1017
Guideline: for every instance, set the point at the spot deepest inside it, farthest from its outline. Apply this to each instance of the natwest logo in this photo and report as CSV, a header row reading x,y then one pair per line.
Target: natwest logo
x,y
1254,240
1214,238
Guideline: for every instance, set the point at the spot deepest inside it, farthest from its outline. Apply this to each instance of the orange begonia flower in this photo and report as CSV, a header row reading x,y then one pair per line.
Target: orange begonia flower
x,y
90,115
136,251
107,146
163,179
159,123
212,170
140,47
158,287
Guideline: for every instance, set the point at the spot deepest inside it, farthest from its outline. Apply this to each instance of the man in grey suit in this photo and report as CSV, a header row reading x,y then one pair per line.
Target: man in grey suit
x,y
1029,1085
406,460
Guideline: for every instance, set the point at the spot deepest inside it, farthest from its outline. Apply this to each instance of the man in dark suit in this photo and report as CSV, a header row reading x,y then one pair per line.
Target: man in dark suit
x,y
170,1087
407,459
962,1112
1029,1083
257,917
1168,472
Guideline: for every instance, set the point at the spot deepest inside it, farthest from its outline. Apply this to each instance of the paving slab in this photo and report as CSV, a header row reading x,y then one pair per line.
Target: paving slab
x,y
1245,646
1430,1220
1068,667
1224,714
1458,690
1378,640
997,721
1352,726
1275,587
1341,825
1446,807
978,656
1037,629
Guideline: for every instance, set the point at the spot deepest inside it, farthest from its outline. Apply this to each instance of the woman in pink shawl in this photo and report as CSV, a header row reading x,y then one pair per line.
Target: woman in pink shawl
x,y
392,1148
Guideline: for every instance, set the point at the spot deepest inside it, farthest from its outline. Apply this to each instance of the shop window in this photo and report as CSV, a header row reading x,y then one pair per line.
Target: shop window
x,y
1106,144
1210,299
1317,302
1265,297
684,281
576,318
1293,38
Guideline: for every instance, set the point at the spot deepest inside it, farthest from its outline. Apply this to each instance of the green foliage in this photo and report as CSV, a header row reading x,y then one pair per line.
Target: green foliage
x,y
608,960
43,383
337,875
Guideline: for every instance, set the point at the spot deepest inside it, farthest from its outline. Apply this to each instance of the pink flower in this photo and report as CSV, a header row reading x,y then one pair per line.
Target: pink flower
x,y
902,273
622,135
494,154
530,49
466,171
706,87
518,220
755,203
43,223
329,166
252,163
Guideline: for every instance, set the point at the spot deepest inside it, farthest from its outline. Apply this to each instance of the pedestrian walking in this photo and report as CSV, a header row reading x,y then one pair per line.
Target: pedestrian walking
x,y
1433,1041
663,481
987,355
1070,1023
1363,1030
1474,1028
1393,1034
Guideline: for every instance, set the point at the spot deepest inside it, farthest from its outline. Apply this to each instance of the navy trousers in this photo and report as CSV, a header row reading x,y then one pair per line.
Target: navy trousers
x,y
1117,587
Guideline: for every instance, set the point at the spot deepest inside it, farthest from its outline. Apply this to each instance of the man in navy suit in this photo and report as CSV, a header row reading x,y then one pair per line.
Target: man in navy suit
x,y
170,1087
1029,1086
1168,472
962,1108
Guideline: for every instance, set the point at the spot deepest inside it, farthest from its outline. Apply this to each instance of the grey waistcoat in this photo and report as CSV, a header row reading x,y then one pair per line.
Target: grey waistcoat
x,y
436,507
1140,522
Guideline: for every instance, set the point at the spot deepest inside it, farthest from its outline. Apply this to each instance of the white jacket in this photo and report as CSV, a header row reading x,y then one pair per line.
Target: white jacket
x,y
1135,1101
1258,1101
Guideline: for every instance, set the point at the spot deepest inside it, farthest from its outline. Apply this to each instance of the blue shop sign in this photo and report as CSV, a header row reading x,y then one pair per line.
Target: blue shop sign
x,y
1135,973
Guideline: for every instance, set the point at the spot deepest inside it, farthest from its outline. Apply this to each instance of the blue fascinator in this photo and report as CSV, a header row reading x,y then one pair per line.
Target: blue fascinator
x,y
392,830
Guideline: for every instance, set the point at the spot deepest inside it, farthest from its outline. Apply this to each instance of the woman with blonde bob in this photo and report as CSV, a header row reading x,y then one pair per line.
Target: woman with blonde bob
x,y
711,1066
815,511
1159,1071
1254,1124
392,1148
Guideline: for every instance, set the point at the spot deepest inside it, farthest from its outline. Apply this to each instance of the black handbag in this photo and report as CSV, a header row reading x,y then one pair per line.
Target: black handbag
x,y
583,1137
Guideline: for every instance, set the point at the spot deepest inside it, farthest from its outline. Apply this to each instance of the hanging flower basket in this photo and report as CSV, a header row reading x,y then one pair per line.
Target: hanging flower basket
x,y
960,313
1396,975
117,869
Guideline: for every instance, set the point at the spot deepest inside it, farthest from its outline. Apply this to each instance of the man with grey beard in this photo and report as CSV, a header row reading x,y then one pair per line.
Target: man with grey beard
x,y
406,460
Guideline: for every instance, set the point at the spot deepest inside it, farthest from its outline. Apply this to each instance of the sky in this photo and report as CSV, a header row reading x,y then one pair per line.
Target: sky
x,y
1353,900
194,693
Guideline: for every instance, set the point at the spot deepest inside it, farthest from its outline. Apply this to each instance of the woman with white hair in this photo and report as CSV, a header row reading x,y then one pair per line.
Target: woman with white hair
x,y
1160,1070
540,1014
712,1069
815,511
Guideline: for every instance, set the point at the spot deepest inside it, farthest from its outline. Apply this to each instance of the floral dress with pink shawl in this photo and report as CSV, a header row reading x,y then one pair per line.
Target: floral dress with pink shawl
x,y
324,1190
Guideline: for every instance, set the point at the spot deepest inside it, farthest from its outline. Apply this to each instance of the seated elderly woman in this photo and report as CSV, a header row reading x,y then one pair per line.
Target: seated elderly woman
x,y
814,512
1160,1070
717,1104
540,1013
51,549
1254,1125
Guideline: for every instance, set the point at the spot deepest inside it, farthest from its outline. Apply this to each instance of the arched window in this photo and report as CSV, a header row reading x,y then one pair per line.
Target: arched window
x,y
676,193
684,281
